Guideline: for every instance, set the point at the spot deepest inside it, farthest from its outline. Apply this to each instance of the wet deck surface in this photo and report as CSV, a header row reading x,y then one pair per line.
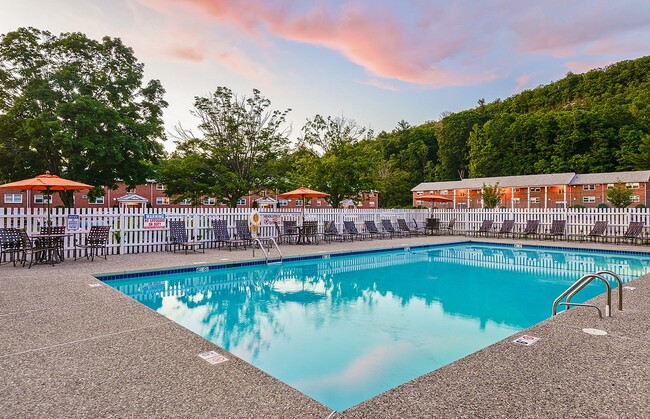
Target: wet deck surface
x,y
71,350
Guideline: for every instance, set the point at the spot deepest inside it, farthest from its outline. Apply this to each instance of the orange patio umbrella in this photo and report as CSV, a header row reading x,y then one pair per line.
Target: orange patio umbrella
x,y
303,193
48,183
434,198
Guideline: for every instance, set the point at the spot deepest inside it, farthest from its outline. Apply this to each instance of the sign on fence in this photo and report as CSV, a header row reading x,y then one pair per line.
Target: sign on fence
x,y
153,221
72,224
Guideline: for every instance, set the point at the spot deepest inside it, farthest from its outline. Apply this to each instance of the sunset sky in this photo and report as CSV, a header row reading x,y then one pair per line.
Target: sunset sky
x,y
374,61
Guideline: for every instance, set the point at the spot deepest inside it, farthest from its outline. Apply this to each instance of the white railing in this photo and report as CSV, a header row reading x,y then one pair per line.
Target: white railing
x,y
128,234
578,220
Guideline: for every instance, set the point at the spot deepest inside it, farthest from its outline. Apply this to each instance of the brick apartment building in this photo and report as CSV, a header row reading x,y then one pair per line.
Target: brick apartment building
x,y
152,194
557,190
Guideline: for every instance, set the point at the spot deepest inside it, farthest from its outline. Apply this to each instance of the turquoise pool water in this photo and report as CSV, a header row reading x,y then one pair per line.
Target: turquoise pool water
x,y
344,329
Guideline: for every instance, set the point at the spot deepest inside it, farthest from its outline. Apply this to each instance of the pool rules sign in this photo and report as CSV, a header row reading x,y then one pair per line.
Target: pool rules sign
x,y
213,357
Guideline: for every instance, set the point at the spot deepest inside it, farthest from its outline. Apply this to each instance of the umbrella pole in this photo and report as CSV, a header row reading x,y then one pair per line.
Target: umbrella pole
x,y
49,210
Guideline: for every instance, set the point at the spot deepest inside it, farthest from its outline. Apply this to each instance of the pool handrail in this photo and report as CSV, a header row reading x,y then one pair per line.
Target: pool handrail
x,y
582,282
602,273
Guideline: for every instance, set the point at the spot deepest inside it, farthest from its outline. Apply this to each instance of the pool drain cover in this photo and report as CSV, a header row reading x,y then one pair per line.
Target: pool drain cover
x,y
595,332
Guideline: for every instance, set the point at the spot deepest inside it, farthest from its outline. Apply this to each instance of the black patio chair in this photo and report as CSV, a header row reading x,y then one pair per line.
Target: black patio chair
x,y
448,228
419,229
350,228
388,228
37,250
9,245
96,242
331,233
372,229
309,233
557,230
178,238
221,236
632,233
484,229
403,226
506,228
597,232
243,232
529,231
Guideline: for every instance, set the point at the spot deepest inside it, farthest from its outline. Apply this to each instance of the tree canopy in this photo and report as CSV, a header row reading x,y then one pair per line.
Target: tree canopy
x,y
78,108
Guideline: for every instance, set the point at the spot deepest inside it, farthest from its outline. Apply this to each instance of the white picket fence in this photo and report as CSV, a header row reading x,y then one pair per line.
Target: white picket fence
x,y
129,234
578,220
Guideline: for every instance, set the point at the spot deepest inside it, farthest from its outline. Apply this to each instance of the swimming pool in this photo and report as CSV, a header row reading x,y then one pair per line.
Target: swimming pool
x,y
345,328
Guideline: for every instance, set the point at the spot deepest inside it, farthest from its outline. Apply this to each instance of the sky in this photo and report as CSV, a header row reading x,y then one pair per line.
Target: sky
x,y
374,61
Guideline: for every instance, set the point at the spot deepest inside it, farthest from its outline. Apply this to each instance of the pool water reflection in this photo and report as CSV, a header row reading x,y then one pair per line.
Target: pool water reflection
x,y
345,329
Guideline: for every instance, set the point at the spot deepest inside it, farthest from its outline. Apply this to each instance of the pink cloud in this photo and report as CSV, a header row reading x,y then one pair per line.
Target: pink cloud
x,y
584,66
522,82
369,37
187,53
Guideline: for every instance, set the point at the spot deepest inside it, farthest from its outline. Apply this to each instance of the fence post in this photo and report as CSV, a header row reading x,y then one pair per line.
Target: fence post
x,y
122,228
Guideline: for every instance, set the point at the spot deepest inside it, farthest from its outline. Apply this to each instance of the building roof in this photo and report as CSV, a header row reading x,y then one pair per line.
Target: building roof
x,y
132,198
437,186
550,179
612,177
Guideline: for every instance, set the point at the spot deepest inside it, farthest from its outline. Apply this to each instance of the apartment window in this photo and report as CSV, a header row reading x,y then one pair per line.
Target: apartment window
x,y
13,198
588,187
588,199
535,189
99,200
632,185
308,202
635,198
319,202
610,186
241,201
299,202
445,192
516,200
516,189
371,203
534,200
210,201
42,199
419,193
160,187
283,202
162,200
418,202
186,202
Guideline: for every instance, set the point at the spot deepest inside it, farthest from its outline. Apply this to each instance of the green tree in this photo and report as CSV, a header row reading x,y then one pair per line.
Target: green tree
x,y
347,165
78,108
241,137
490,195
619,196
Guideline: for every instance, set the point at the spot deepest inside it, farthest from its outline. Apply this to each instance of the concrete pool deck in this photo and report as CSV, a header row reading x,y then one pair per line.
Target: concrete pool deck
x,y
69,349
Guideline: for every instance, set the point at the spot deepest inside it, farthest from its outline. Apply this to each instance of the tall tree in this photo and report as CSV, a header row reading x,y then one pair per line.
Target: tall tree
x,y
242,136
339,163
78,108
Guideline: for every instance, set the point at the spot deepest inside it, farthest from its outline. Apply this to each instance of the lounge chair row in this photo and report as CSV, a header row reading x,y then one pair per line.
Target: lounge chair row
x,y
558,231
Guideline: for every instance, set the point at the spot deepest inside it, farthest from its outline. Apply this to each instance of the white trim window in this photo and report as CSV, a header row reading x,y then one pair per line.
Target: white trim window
x,y
162,200
42,199
419,193
634,185
210,201
186,201
13,198
536,189
588,199
534,200
160,187
418,202
516,200
283,202
319,203
99,200
371,203
588,187
241,201
299,202
444,192
635,198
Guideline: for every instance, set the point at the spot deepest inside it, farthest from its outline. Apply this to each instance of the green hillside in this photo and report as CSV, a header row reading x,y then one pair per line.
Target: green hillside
x,y
585,123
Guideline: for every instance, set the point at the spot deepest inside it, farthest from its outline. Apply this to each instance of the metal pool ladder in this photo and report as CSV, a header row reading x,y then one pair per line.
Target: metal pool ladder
x,y
266,253
583,282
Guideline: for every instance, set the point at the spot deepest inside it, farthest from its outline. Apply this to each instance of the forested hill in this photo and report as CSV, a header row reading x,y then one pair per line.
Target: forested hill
x,y
584,123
